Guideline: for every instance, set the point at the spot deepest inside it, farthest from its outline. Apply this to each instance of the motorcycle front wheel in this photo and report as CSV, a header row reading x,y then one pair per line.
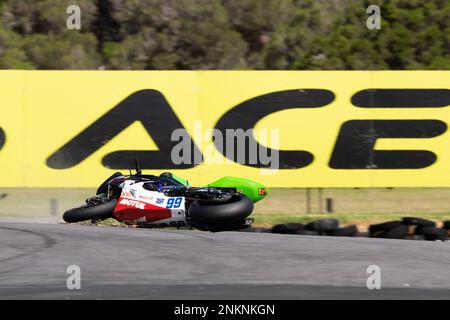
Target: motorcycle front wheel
x,y
100,211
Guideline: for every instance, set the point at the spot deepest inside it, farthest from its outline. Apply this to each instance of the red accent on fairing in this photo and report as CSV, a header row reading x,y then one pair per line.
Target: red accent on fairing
x,y
151,212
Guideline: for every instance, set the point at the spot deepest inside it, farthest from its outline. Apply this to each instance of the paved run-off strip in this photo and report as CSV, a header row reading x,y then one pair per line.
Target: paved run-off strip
x,y
170,264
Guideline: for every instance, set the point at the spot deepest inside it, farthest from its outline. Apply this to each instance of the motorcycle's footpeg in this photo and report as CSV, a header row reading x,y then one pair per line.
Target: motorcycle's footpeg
x,y
248,222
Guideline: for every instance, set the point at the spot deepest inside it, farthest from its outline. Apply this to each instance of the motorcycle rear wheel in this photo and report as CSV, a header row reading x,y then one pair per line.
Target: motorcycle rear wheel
x,y
100,211
237,208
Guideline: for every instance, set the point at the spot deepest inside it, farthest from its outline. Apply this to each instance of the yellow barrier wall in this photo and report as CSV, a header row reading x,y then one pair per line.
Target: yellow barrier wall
x,y
43,110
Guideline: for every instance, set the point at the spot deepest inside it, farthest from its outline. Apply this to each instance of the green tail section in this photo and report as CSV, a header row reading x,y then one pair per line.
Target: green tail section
x,y
184,182
252,189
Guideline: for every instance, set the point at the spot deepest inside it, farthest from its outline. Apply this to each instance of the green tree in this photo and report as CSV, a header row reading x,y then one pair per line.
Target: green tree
x,y
225,34
34,35
413,35
183,34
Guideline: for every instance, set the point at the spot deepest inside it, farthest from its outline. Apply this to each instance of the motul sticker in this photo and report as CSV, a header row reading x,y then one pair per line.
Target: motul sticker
x,y
133,203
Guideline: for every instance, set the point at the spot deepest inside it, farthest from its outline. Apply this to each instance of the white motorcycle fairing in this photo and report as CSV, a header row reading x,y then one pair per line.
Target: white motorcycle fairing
x,y
137,205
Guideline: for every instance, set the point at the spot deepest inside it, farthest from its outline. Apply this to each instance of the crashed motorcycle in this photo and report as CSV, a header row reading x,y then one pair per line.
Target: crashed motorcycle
x,y
169,201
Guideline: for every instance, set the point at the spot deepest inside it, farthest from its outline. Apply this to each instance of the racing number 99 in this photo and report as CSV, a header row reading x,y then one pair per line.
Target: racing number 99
x,y
173,203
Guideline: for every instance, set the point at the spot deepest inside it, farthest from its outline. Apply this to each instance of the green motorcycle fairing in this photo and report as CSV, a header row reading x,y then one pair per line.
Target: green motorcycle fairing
x,y
252,189
184,182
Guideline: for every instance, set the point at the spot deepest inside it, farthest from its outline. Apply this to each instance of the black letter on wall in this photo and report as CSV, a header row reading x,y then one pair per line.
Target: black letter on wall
x,y
402,98
2,138
148,106
354,145
245,116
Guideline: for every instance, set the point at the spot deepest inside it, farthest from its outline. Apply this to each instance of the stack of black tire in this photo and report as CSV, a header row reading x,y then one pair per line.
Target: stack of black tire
x,y
410,228
323,227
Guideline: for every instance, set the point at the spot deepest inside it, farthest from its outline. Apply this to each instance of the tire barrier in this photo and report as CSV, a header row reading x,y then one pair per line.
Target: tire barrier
x,y
410,228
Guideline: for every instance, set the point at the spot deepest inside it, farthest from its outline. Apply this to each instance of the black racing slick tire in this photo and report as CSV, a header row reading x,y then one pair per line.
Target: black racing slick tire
x,y
237,208
100,211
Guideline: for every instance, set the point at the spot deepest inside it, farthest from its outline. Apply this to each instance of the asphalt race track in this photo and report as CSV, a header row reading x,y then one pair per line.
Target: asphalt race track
x,y
169,264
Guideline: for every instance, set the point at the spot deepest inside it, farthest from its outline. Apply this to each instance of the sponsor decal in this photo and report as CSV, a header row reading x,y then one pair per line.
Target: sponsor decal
x,y
356,129
149,198
133,203
159,201
141,220
353,149
133,192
